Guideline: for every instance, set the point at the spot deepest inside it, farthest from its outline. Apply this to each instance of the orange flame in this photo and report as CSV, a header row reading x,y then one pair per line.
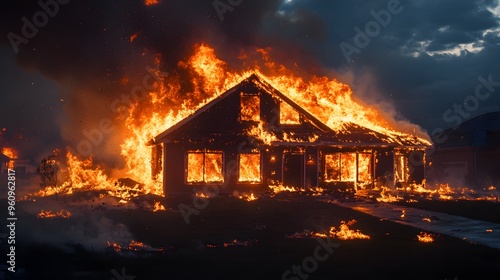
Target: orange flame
x,y
49,214
12,154
158,207
344,233
425,237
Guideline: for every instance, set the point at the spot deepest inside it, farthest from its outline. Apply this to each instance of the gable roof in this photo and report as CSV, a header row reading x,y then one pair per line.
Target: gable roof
x,y
352,133
258,82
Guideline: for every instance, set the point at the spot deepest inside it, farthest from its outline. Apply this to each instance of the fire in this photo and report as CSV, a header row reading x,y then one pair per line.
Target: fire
x,y
425,237
280,188
132,246
249,170
386,196
245,196
158,207
151,2
49,214
12,154
344,233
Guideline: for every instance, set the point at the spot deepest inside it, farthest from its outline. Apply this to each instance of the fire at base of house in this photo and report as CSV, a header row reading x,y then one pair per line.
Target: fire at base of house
x,y
274,141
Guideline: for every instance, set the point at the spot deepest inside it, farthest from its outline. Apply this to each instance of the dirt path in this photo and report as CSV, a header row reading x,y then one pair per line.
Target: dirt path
x,y
474,231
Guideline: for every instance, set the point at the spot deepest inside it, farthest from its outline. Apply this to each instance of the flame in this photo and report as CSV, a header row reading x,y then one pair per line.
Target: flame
x,y
386,196
249,168
280,188
245,196
425,237
12,154
49,214
132,246
133,37
344,233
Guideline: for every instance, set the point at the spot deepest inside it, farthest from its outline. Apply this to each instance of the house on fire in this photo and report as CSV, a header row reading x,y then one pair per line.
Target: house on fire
x,y
253,136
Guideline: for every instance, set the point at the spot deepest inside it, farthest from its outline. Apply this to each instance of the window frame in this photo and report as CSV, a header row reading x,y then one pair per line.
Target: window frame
x,y
260,168
204,153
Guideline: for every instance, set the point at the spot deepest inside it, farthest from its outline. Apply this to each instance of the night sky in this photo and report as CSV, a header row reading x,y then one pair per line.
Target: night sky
x,y
425,60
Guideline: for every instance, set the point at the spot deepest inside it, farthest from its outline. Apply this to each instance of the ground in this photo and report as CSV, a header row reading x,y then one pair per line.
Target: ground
x,y
256,233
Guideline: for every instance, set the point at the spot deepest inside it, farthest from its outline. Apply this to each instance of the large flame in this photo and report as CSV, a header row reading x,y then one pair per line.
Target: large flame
x,y
12,154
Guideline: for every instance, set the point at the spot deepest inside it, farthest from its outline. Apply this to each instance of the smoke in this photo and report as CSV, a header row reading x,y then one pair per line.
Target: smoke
x,y
87,226
367,92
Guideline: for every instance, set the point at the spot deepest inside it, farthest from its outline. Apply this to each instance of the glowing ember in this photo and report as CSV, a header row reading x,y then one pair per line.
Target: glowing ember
x,y
281,188
343,233
115,246
245,196
133,37
386,196
425,237
134,246
237,243
49,214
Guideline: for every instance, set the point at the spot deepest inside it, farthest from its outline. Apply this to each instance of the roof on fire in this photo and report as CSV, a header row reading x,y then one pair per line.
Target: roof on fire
x,y
352,134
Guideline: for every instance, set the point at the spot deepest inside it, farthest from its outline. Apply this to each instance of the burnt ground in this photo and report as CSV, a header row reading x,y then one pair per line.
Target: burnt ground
x,y
75,248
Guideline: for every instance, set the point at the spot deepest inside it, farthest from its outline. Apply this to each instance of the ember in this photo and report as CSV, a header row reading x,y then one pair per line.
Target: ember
x,y
49,214
343,233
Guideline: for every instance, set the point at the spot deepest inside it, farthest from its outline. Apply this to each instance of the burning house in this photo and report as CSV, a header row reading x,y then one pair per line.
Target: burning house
x,y
253,136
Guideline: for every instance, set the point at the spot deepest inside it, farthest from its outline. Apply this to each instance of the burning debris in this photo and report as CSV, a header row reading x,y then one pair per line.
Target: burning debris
x,y
133,246
342,233
233,243
425,237
49,214
158,207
